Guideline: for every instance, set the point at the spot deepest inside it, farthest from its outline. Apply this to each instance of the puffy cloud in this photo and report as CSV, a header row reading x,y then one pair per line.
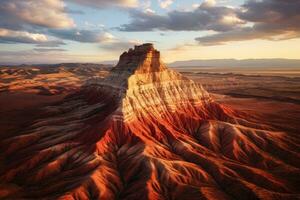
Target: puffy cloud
x,y
22,36
10,36
271,19
106,3
165,3
205,17
235,35
247,33
86,36
272,12
34,21
45,23
149,11
209,3
195,5
15,14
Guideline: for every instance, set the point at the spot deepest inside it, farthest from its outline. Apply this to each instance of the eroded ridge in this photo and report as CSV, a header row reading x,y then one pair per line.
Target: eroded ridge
x,y
147,132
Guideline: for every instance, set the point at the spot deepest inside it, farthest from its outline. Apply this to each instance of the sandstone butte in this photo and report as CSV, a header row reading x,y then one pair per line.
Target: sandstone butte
x,y
147,132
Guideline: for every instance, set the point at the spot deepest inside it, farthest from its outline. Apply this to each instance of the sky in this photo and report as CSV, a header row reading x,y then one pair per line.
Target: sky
x,y
56,31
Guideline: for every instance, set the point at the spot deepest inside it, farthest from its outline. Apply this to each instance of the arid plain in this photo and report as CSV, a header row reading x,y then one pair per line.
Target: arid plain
x,y
270,93
141,130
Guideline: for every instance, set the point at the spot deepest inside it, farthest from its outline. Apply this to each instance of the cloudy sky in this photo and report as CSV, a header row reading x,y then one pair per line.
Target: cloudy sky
x,y
53,31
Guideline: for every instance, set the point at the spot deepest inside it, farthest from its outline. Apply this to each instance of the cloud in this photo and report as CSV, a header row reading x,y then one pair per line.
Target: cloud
x,y
209,3
272,12
48,50
10,36
149,11
35,22
16,14
106,3
46,23
85,36
205,17
21,36
247,33
145,4
195,5
165,3
272,20
51,43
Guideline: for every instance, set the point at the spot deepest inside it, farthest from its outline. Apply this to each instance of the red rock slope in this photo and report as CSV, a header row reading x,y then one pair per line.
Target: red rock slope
x,y
147,132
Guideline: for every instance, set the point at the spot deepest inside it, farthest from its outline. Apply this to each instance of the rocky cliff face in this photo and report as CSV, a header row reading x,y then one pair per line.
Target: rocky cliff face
x,y
147,87
147,132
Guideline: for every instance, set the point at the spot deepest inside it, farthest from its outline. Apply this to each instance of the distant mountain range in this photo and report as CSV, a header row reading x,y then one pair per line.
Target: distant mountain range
x,y
238,63
277,62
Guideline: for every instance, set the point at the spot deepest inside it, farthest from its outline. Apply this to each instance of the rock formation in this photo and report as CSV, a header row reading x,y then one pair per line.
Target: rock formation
x,y
147,132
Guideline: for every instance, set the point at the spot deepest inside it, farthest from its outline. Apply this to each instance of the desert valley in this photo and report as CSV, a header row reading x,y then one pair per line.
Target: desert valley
x,y
142,130
149,100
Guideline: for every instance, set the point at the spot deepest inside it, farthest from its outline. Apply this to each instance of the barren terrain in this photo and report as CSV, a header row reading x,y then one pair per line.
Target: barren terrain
x,y
271,93
143,131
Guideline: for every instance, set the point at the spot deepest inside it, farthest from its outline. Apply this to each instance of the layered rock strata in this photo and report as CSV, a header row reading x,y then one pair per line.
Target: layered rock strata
x,y
147,132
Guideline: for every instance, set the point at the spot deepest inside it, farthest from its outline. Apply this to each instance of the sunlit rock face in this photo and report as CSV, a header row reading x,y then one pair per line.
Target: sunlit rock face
x,y
147,132
150,88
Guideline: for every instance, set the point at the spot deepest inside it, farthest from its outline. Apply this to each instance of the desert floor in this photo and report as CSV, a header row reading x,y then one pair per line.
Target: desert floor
x,y
272,95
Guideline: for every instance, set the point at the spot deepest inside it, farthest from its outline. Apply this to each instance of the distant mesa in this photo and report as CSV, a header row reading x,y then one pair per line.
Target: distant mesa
x,y
147,132
276,62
